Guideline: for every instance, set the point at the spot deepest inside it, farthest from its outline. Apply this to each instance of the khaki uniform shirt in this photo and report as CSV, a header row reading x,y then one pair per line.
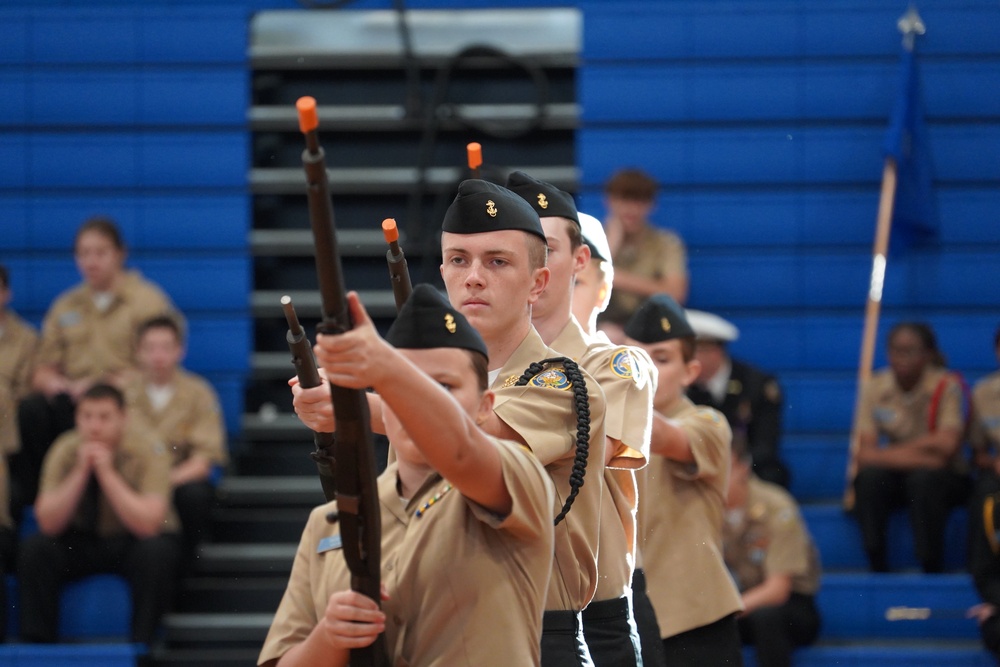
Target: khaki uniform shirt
x,y
466,587
898,416
680,526
82,341
653,253
625,375
140,459
191,422
18,343
985,431
541,413
771,538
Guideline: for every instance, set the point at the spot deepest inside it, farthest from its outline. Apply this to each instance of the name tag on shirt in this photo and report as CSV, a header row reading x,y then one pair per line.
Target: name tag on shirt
x,y
329,544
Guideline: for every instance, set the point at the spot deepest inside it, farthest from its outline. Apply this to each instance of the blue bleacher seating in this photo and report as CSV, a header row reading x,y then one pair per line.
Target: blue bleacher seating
x,y
78,655
838,539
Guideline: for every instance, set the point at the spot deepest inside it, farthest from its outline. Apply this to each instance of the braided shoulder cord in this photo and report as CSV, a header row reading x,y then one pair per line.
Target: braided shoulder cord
x,y
581,406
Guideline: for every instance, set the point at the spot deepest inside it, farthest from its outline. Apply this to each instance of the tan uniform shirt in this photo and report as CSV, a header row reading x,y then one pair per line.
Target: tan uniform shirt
x,y
653,254
771,538
18,343
82,341
889,412
985,431
625,376
191,421
541,412
466,587
680,526
141,460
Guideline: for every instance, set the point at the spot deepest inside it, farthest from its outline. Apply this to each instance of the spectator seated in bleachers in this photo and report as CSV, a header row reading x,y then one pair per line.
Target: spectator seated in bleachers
x,y
87,337
774,562
750,398
984,428
648,260
183,410
103,506
18,341
916,408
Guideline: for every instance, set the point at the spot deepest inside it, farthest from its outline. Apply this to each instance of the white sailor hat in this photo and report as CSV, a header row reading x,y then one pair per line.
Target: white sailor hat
x,y
708,326
594,236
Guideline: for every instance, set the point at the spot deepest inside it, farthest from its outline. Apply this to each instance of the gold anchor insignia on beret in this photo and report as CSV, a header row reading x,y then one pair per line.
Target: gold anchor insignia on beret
x,y
491,208
542,201
449,322
665,323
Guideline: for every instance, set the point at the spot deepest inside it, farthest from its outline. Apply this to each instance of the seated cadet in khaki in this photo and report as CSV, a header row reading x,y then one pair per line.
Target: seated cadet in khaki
x,y
18,342
494,269
467,528
591,291
88,336
915,406
17,350
683,492
771,555
608,623
984,429
103,506
183,410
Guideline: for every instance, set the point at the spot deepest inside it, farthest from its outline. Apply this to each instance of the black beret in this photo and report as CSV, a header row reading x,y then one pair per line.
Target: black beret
x,y
657,319
481,206
545,198
428,320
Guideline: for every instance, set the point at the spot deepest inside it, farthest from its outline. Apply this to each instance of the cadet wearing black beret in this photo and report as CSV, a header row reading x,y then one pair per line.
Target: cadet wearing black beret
x,y
545,198
427,321
481,206
683,491
657,319
458,508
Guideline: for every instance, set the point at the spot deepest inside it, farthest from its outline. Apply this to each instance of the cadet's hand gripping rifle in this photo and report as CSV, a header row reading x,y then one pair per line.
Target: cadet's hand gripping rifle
x,y
305,369
354,475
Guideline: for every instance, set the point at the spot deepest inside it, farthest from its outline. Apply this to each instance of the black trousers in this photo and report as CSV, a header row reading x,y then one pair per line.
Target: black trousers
x,y
990,633
610,632
929,496
646,623
563,644
46,563
8,549
193,502
776,631
41,421
717,644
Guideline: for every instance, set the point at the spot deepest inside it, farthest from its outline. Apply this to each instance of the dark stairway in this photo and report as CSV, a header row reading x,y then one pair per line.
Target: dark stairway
x,y
382,117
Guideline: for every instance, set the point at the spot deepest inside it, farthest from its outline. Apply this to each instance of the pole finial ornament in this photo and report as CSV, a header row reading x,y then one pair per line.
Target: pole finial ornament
x,y
911,25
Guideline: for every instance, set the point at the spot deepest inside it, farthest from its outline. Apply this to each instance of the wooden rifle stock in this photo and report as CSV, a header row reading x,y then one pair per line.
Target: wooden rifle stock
x,y
308,374
355,475
399,274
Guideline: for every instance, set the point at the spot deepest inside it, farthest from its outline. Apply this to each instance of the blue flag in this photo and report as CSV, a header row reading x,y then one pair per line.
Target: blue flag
x,y
915,213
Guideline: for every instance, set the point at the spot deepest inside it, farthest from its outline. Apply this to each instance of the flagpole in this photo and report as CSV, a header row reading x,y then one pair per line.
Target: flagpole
x,y
910,25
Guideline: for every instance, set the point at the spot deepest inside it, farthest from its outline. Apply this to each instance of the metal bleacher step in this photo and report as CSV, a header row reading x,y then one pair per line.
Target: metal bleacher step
x,y
239,629
267,303
219,595
381,117
838,538
299,242
245,559
389,180
208,657
263,524
270,491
